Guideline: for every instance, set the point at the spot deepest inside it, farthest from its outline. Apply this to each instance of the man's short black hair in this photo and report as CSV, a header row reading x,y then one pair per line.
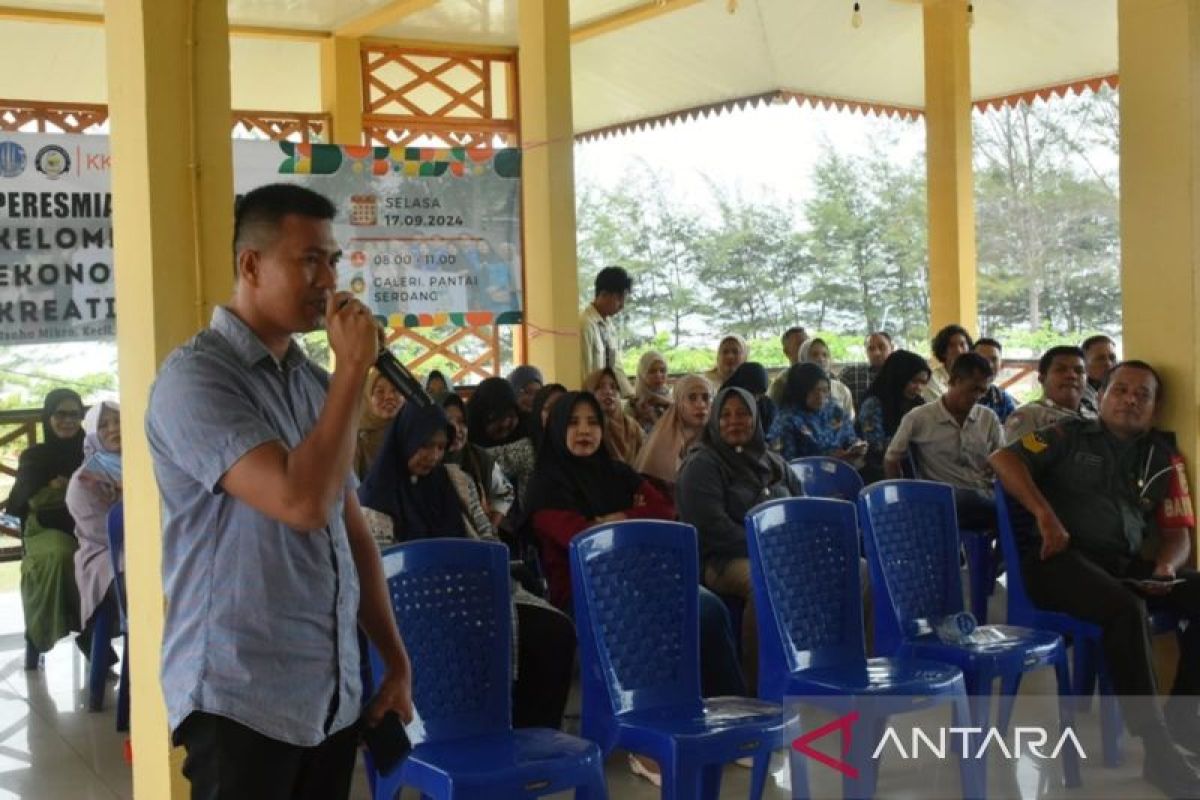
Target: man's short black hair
x,y
1047,359
1097,339
1134,363
790,332
968,365
884,334
614,280
941,342
262,211
987,341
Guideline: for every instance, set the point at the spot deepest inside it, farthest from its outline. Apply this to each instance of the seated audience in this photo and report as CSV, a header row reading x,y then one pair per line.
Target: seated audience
x,y
951,439
949,343
1113,517
1099,356
526,381
810,423
579,483
38,499
543,402
895,391
494,490
494,423
729,471
752,377
995,398
732,352
668,443
437,386
858,377
381,404
791,340
1062,376
410,494
816,351
651,396
622,435
91,493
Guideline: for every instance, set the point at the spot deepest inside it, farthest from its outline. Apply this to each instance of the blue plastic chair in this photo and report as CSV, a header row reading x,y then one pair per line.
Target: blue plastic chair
x,y
1090,671
109,619
911,535
832,478
453,604
636,607
804,568
980,548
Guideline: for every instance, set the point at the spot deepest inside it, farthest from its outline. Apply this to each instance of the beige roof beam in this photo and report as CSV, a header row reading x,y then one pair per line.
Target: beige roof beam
x,y
371,21
623,19
42,15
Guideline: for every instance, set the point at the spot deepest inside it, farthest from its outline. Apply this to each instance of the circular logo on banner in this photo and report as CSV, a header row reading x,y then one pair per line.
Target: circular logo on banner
x,y
12,159
52,161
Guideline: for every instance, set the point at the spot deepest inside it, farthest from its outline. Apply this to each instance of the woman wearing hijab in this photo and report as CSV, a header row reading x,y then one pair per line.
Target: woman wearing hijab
x,y
38,499
526,381
410,494
381,404
816,351
496,492
539,414
651,397
728,472
679,427
752,376
436,385
494,423
896,390
731,354
578,483
623,435
92,492
810,423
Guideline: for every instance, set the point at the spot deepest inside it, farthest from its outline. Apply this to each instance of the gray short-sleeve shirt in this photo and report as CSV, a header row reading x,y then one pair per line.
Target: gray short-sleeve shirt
x,y
947,452
261,621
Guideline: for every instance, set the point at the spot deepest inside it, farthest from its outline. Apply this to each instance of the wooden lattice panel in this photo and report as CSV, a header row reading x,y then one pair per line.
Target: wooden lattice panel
x,y
33,117
474,351
280,127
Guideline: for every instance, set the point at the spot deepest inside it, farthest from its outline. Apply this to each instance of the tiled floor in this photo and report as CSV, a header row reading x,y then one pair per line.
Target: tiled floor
x,y
51,748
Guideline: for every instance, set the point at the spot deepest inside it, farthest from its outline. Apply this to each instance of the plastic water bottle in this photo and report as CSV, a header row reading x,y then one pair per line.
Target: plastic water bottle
x,y
956,628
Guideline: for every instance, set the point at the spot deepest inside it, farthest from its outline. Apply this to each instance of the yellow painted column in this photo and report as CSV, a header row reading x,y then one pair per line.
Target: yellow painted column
x,y
172,184
952,296
548,191
1159,50
342,89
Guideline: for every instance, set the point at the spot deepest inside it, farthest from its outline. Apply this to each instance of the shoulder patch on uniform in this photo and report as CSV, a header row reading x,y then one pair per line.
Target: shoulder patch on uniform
x,y
1033,443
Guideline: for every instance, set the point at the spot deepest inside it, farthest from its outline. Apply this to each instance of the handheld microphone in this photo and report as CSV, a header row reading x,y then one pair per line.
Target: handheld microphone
x,y
397,374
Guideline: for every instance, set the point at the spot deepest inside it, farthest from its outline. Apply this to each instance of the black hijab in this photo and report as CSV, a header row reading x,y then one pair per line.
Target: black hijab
x,y
888,387
801,380
54,457
752,376
491,400
593,486
420,508
536,431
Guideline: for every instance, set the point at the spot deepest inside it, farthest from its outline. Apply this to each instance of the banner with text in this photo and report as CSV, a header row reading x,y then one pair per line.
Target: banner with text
x,y
429,236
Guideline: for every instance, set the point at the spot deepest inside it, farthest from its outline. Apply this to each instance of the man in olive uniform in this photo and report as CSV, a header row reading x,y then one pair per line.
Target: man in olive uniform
x,y
1096,488
1062,374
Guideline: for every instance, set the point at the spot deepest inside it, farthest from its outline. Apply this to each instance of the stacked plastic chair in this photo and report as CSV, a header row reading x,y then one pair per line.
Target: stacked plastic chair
x,y
1090,670
831,478
804,566
452,601
912,546
636,609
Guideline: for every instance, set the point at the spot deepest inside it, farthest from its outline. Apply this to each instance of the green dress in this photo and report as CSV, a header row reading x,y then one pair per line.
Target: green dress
x,y
48,593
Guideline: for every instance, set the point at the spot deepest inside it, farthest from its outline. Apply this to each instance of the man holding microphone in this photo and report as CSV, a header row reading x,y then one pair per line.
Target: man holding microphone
x,y
268,566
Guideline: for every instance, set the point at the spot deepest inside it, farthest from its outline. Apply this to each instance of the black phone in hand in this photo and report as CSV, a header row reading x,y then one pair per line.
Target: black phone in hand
x,y
387,742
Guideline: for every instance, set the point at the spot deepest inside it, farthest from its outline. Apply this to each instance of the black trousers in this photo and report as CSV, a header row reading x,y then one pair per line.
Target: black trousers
x,y
228,761
1091,589
545,658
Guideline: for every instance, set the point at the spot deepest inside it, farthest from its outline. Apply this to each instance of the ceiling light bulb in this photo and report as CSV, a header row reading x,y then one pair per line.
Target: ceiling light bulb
x,y
731,6
856,19
970,15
